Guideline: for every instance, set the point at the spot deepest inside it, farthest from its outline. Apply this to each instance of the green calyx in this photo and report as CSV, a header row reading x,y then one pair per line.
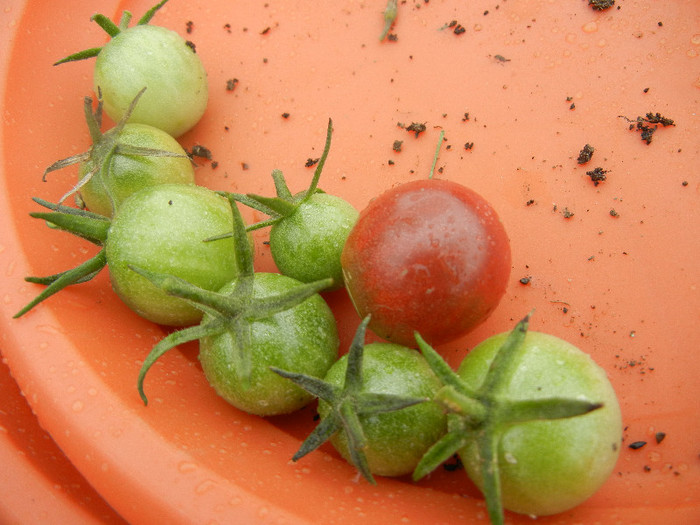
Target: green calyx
x,y
285,203
481,416
85,224
104,147
112,30
347,404
228,315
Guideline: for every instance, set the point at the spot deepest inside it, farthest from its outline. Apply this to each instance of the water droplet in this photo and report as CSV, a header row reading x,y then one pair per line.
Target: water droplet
x,y
590,27
654,457
205,486
695,39
186,466
77,406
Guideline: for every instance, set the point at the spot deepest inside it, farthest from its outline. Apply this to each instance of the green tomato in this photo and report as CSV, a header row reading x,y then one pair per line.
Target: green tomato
x,y
307,244
302,339
161,61
125,174
162,228
396,440
549,466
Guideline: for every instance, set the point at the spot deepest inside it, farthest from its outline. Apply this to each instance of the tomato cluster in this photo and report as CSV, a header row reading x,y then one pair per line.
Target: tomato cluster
x,y
534,419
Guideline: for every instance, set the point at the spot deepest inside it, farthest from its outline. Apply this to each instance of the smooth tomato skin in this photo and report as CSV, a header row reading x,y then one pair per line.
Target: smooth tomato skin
x,y
307,244
548,467
162,229
303,339
127,174
396,441
159,59
430,256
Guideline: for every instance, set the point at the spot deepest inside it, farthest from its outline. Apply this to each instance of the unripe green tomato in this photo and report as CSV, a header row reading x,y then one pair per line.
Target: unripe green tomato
x,y
161,61
307,244
397,440
303,339
127,174
547,467
162,229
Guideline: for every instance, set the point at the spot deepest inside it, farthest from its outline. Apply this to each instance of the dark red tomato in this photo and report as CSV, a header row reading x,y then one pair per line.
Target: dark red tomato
x,y
430,256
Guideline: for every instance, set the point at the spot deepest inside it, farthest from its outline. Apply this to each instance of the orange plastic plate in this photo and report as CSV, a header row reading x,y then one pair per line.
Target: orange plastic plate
x,y
518,89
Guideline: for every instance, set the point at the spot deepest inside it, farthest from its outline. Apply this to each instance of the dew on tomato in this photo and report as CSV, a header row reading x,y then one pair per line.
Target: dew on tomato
x,y
430,256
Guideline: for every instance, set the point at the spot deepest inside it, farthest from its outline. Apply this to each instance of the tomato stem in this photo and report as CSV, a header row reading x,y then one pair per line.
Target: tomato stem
x,y
457,437
281,187
94,120
85,224
146,18
437,153
321,163
105,23
172,340
91,227
57,282
124,20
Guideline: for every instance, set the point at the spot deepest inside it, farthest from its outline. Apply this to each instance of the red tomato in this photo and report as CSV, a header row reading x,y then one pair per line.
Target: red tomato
x,y
429,255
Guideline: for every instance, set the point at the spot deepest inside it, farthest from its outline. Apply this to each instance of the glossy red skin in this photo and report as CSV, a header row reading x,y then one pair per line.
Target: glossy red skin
x,y
429,255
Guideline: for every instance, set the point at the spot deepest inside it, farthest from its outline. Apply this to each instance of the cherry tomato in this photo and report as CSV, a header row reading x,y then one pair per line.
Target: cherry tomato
x,y
430,256
303,338
163,228
395,440
152,57
548,467
534,419
309,229
123,160
125,174
161,60
375,405
307,244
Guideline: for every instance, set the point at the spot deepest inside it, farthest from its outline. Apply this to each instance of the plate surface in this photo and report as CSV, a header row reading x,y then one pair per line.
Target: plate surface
x,y
538,80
